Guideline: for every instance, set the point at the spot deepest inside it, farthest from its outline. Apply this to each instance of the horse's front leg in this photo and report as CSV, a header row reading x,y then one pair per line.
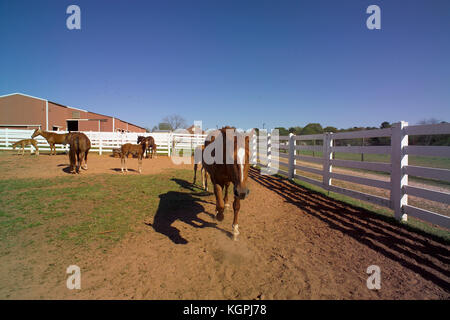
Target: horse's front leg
x,y
204,175
140,164
220,207
225,198
235,227
195,173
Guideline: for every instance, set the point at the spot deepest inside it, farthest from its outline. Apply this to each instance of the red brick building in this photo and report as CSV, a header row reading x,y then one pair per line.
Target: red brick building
x,y
21,111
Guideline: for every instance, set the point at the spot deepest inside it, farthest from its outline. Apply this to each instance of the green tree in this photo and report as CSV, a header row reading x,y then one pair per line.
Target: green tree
x,y
330,129
385,125
282,131
312,128
295,130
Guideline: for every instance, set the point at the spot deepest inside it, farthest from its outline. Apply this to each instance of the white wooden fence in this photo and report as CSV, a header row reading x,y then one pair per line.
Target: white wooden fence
x,y
106,141
398,167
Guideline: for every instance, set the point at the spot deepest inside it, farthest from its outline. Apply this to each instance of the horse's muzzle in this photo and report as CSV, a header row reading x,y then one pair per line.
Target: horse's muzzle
x,y
241,193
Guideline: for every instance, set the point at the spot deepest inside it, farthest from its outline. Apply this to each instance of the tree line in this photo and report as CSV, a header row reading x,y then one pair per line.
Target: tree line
x,y
316,128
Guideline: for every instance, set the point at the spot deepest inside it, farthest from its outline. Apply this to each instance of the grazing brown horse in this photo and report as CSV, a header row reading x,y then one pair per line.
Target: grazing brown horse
x,y
52,138
203,173
150,146
79,149
26,142
134,149
229,166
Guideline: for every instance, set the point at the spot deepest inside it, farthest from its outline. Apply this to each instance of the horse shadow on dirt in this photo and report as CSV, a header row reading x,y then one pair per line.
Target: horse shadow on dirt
x,y
66,168
184,207
120,170
424,254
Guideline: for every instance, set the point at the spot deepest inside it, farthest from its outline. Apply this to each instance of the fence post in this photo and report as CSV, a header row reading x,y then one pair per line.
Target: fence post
x,y
100,145
291,156
327,156
254,158
169,143
399,159
6,137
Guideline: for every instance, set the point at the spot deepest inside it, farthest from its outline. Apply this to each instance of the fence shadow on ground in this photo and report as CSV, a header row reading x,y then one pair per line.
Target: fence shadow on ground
x,y
185,207
425,255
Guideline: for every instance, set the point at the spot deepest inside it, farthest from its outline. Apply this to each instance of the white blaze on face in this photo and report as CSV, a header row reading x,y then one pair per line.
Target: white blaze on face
x,y
241,155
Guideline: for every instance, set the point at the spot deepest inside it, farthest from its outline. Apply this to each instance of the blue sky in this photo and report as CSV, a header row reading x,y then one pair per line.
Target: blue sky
x,y
241,63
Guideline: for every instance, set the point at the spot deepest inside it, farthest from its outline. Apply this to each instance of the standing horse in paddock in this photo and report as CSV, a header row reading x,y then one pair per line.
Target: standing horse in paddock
x,y
134,149
52,138
26,142
229,165
198,155
79,149
151,145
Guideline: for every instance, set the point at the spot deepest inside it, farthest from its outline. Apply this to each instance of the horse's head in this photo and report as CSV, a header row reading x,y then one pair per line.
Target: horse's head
x,y
139,139
241,162
36,133
144,142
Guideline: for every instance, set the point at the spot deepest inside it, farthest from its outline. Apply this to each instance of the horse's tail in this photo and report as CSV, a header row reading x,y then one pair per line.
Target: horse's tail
x,y
76,147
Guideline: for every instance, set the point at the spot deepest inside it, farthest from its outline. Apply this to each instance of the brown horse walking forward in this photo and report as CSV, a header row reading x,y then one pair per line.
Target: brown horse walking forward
x,y
26,142
151,145
229,165
198,155
52,138
79,149
134,149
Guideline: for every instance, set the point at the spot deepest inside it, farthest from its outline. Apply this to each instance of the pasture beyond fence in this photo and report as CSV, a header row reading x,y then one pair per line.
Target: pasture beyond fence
x,y
284,153
288,148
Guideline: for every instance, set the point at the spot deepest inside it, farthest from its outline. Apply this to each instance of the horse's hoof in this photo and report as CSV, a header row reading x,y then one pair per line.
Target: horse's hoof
x,y
219,216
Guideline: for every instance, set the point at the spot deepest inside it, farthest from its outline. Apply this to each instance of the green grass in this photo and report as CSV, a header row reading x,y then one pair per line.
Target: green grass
x,y
81,209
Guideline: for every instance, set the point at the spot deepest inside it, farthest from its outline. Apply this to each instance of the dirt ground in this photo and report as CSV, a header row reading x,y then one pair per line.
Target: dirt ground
x,y
294,244
46,166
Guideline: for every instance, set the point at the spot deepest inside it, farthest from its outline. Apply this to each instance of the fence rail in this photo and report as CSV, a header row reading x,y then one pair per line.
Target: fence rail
x,y
397,167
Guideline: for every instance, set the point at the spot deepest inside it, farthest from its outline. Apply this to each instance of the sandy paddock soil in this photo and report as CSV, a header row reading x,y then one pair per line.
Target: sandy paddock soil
x,y
294,244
